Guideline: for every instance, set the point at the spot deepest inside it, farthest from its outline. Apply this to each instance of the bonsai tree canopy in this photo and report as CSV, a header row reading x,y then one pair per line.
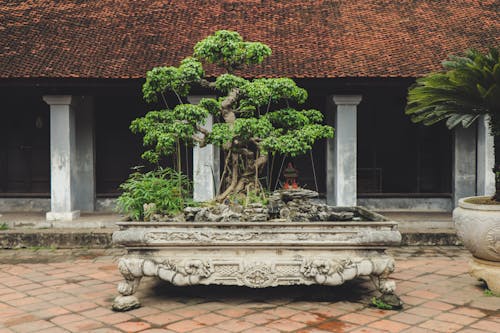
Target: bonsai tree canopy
x,y
252,118
468,87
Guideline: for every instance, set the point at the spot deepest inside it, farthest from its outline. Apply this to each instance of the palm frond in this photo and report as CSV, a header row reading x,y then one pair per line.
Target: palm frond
x,y
468,88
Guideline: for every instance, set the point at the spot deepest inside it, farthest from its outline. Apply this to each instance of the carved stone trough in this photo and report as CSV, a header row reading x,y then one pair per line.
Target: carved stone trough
x,y
257,254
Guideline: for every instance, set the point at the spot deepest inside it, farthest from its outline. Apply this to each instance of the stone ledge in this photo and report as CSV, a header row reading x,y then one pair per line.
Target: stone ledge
x,y
101,238
56,238
430,237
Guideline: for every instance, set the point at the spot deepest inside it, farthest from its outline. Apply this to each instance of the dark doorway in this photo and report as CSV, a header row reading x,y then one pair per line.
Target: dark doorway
x,y
395,156
118,150
24,146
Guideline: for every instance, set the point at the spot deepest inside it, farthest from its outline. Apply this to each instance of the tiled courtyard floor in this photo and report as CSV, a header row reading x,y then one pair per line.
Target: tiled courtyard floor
x,y
71,291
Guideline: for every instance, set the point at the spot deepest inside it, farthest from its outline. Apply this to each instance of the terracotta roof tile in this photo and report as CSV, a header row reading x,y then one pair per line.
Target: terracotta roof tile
x,y
310,39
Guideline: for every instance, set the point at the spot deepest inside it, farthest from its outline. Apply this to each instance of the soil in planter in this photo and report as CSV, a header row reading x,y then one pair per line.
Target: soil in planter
x,y
482,201
297,205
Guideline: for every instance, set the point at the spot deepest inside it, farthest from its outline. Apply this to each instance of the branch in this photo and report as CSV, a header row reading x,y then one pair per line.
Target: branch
x,y
206,84
202,142
202,130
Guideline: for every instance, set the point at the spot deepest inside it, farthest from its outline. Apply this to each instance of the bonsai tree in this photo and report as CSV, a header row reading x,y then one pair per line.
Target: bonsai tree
x,y
468,87
253,118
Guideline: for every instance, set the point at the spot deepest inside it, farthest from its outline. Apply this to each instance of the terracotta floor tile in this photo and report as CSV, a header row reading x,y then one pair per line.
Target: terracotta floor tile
x,y
133,326
114,318
441,306
210,319
408,318
438,294
487,325
260,318
235,325
82,325
337,326
357,318
285,325
389,325
455,318
441,326
235,312
185,326
32,326
162,319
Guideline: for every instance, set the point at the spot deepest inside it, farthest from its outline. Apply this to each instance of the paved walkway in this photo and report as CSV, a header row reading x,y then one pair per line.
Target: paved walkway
x,y
71,291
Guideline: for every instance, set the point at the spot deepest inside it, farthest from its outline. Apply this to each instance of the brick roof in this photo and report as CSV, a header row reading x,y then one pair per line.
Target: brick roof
x,y
310,39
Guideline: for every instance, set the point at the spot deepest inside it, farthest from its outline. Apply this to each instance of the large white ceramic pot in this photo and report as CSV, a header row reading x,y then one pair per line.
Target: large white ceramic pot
x,y
478,226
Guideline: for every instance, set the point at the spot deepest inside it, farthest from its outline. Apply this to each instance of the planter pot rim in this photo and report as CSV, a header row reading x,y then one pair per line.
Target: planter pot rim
x,y
256,224
467,205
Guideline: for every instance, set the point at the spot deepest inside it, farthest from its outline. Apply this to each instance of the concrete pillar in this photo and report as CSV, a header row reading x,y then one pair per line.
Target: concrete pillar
x,y
341,153
464,163
206,163
85,155
62,158
485,158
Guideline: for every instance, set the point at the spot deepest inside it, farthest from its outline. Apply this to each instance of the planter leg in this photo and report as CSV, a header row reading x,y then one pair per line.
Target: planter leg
x,y
387,288
131,269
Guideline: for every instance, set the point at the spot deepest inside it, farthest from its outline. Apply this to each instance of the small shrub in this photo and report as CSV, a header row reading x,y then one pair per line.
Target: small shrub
x,y
489,293
164,189
380,304
4,226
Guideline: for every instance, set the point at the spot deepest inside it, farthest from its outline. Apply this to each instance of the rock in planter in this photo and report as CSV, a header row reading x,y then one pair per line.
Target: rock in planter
x,y
478,226
257,254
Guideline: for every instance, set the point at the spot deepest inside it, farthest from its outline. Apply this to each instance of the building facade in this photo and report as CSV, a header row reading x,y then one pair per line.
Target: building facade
x,y
71,75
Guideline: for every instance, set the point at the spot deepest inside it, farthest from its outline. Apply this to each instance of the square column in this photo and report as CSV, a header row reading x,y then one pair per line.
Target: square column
x,y
206,163
341,153
485,158
464,163
62,158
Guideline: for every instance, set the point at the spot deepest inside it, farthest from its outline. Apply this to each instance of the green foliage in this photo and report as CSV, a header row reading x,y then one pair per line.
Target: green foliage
x,y
469,87
164,187
4,226
228,50
249,118
175,79
248,198
490,293
378,303
261,92
162,129
226,82
294,132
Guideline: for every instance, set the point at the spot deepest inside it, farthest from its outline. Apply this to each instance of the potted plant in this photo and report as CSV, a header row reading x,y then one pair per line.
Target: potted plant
x,y
468,88
246,236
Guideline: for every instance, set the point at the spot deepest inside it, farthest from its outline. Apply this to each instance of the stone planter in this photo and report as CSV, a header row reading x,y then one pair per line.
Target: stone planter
x,y
478,226
257,254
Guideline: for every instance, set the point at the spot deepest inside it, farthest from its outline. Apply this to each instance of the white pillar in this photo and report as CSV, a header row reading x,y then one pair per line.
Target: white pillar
x,y
341,153
464,163
485,158
62,158
206,163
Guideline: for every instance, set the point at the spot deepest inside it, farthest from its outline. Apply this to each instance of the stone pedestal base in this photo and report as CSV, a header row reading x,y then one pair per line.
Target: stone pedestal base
x,y
62,216
257,254
488,271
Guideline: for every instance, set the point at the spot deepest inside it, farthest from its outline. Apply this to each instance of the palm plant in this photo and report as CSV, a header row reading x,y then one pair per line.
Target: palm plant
x,y
468,87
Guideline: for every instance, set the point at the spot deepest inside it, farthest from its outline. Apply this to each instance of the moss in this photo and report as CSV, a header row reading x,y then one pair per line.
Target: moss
x,y
482,201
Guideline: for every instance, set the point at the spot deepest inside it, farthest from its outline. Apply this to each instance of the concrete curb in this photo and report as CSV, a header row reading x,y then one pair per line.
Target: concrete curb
x,y
101,238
